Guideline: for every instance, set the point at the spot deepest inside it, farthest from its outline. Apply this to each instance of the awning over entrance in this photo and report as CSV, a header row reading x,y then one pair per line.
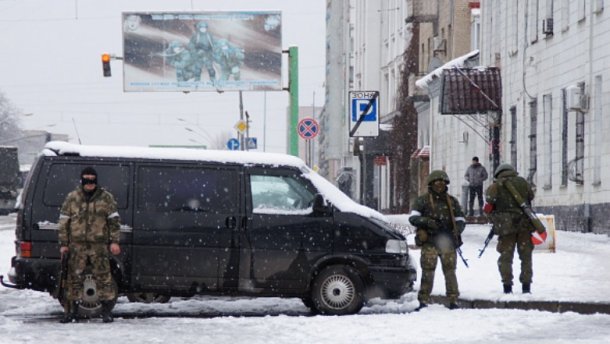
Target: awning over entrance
x,y
471,90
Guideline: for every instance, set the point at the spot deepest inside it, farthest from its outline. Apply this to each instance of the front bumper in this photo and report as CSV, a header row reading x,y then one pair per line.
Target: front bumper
x,y
391,282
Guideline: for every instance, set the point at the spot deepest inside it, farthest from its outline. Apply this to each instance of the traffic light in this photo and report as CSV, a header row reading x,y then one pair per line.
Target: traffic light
x,y
106,65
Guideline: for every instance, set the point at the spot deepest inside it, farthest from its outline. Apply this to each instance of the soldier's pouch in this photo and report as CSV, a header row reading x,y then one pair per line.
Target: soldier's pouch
x,y
503,223
421,236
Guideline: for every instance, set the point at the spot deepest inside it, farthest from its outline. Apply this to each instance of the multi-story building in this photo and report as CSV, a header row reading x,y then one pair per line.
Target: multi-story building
x,y
553,56
448,37
334,153
366,44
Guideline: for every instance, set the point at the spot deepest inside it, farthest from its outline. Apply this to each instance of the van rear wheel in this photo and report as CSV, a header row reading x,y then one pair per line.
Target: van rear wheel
x,y
338,290
148,297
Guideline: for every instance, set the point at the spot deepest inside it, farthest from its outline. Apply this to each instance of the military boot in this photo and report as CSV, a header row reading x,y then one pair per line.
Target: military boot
x,y
70,314
421,306
508,289
453,305
107,312
526,288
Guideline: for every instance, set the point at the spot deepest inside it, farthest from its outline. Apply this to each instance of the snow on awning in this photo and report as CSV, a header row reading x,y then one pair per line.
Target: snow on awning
x,y
437,73
423,152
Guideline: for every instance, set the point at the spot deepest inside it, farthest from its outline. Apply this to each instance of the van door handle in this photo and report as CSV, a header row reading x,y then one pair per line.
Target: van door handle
x,y
231,222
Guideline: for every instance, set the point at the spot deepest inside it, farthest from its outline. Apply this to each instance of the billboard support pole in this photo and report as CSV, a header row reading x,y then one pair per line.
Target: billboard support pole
x,y
293,88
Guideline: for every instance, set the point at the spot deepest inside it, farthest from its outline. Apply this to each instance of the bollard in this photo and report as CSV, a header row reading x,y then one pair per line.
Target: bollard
x,y
465,193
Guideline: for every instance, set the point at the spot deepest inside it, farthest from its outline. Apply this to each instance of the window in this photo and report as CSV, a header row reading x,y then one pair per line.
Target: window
x,y
598,6
564,139
533,21
533,142
598,125
565,15
581,10
180,188
514,20
548,21
279,195
547,168
513,136
64,178
578,175
475,29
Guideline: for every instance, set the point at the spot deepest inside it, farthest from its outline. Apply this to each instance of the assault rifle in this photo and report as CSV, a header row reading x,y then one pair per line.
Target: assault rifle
x,y
526,208
487,240
62,279
464,260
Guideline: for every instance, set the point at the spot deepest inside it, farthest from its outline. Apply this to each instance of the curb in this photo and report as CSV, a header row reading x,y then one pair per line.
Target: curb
x,y
547,306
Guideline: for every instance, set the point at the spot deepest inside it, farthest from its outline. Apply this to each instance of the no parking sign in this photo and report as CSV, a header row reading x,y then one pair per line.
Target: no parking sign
x,y
308,128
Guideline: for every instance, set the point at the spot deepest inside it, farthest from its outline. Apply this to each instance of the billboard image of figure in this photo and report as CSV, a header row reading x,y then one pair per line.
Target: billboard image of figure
x,y
202,51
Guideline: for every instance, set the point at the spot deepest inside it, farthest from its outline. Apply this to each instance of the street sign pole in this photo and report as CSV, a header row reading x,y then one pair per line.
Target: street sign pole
x,y
241,118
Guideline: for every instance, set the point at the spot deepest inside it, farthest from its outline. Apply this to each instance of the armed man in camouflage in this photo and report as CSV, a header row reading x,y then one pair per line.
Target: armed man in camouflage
x,y
511,225
440,222
88,229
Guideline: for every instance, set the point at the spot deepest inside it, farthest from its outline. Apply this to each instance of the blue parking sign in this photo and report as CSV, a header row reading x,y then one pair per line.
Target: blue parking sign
x,y
359,106
364,113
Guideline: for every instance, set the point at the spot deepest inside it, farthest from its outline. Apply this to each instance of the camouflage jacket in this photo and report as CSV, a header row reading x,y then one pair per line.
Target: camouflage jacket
x,y
433,207
95,221
507,216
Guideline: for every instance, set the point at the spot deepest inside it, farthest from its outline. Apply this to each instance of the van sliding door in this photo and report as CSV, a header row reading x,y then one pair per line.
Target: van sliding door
x,y
185,227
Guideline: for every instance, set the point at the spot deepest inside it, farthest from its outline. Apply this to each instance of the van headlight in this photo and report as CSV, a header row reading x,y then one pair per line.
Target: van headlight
x,y
396,246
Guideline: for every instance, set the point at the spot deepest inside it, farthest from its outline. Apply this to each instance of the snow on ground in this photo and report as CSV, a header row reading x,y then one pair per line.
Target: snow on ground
x,y
578,271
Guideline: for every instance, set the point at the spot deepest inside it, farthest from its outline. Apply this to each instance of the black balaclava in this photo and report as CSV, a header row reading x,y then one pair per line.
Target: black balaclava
x,y
88,171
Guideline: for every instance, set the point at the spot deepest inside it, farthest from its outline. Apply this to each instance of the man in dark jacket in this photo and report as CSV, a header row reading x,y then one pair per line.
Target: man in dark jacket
x,y
511,225
88,229
475,174
440,223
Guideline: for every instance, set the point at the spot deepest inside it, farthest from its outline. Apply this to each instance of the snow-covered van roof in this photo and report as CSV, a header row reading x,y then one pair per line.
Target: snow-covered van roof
x,y
326,188
54,148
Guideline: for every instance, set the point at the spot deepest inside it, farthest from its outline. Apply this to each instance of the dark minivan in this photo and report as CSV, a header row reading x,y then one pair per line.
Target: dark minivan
x,y
215,222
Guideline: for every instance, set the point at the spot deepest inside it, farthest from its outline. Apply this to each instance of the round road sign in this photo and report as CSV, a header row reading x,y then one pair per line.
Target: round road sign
x,y
308,128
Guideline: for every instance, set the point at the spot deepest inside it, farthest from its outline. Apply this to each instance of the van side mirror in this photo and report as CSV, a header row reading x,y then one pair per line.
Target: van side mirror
x,y
319,205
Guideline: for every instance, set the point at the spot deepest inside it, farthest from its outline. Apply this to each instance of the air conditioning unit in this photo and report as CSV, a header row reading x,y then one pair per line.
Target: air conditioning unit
x,y
574,98
439,44
547,26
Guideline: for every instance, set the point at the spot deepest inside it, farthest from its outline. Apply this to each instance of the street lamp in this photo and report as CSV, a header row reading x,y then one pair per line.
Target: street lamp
x,y
197,133
208,137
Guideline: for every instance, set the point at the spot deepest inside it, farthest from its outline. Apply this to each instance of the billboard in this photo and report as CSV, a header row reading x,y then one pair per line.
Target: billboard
x,y
202,51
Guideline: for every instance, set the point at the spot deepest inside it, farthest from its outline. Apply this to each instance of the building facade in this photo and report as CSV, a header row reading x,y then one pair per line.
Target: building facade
x,y
554,55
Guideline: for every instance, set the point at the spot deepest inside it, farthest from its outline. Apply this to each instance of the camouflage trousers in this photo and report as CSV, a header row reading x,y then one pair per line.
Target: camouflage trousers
x,y
506,247
96,257
428,260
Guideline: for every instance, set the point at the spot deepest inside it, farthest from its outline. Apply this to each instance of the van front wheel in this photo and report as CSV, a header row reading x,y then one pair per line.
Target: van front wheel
x,y
338,290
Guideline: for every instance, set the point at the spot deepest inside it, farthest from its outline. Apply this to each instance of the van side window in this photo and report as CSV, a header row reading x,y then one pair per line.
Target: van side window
x,y
64,178
279,195
187,189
